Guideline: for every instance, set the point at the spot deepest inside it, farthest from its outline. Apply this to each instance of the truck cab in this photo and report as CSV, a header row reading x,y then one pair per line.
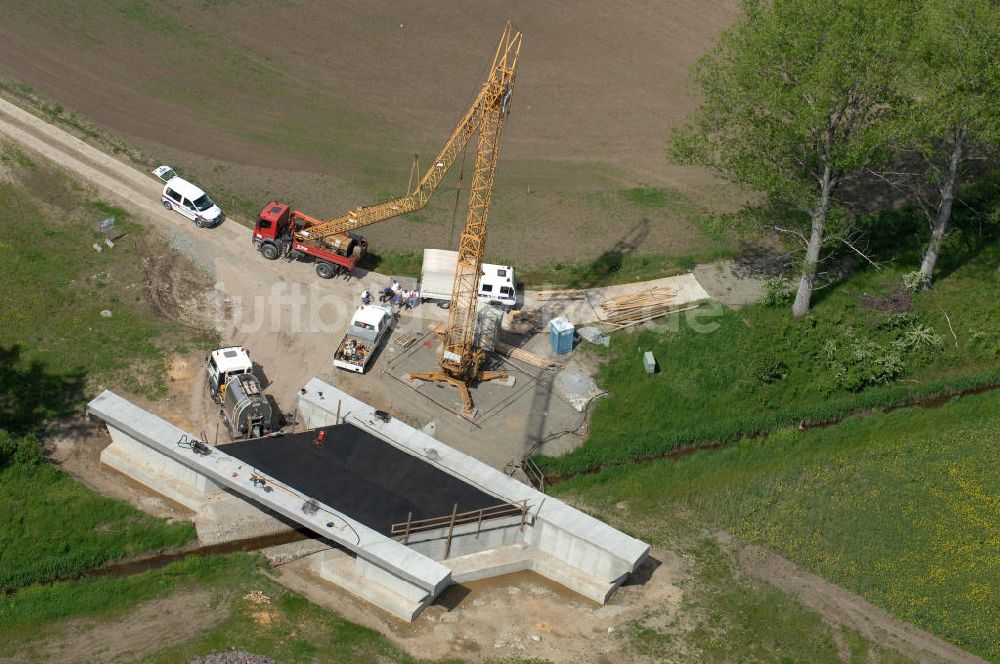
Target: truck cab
x,y
497,286
281,231
223,365
368,329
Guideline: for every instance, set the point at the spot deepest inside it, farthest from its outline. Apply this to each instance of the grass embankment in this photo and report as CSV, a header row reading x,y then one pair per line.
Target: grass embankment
x,y
56,285
56,350
287,629
723,617
900,508
54,527
750,371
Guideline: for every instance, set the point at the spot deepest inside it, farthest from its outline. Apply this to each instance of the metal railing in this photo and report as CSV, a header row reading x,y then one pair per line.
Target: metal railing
x,y
410,527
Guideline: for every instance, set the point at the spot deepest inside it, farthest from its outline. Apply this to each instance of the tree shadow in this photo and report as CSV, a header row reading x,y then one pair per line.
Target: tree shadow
x,y
598,271
30,393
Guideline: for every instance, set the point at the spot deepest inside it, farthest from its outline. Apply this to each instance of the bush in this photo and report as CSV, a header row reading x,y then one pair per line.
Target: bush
x,y
916,281
918,338
19,450
769,370
777,292
859,363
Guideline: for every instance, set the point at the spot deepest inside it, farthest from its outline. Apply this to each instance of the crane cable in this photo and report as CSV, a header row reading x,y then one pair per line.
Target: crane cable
x,y
458,193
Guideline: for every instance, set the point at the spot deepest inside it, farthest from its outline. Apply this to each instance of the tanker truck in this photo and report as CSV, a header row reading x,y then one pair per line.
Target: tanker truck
x,y
244,408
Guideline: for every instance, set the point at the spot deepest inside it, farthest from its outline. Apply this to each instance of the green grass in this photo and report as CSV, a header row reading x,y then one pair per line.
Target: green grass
x,y
729,374
294,629
900,508
26,614
613,267
56,351
51,526
725,617
394,263
56,286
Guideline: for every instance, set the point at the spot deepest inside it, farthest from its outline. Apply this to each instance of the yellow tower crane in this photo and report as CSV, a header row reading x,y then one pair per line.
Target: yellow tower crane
x,y
461,362
332,243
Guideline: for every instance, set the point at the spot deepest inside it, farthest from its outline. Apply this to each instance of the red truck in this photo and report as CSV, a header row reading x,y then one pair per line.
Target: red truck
x,y
283,232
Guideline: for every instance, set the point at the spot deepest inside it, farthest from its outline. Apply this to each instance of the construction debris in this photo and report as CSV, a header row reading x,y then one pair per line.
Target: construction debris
x,y
526,357
594,335
404,340
257,597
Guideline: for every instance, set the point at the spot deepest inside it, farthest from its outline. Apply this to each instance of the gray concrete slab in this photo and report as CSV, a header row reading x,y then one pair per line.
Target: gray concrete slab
x,y
511,421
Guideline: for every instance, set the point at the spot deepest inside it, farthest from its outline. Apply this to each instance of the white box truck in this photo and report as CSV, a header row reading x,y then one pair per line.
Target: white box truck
x,y
437,278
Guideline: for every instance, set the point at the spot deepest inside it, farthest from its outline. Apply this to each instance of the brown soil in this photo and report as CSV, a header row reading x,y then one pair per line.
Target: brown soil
x,y
75,446
517,615
153,626
329,113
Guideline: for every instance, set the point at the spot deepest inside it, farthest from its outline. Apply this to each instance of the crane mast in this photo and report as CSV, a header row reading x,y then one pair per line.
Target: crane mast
x,y
461,363
316,229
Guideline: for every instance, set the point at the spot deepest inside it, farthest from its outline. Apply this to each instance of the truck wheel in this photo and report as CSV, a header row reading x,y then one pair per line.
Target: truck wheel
x,y
167,205
325,270
269,251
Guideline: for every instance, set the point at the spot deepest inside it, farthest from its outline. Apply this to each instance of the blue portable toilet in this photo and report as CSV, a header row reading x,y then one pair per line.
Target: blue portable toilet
x,y
561,335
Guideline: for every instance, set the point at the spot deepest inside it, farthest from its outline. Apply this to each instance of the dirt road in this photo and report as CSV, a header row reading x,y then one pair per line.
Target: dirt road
x,y
841,607
153,626
289,317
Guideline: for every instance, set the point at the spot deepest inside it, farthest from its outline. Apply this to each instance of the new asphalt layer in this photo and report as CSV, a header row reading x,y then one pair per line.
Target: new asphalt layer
x,y
361,475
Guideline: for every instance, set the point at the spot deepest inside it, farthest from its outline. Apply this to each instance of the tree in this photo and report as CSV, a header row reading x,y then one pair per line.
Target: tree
x,y
955,83
797,98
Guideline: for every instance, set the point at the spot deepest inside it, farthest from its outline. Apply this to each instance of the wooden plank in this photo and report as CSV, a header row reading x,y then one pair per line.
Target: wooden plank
x,y
527,357
561,295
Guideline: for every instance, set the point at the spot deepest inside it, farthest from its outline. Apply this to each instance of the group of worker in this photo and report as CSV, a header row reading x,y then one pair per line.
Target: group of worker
x,y
394,294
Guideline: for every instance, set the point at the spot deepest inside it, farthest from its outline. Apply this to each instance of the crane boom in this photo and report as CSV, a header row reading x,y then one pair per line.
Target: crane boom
x,y
461,362
486,101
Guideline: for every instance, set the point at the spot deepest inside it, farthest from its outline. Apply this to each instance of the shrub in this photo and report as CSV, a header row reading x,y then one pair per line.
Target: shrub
x,y
19,451
918,338
916,281
860,363
898,321
777,292
769,370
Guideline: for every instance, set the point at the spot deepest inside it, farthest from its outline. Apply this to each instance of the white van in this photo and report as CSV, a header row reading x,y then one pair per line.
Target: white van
x,y
184,197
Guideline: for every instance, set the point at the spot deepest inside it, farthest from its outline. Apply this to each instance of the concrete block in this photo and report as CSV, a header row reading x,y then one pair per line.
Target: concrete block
x,y
340,569
494,562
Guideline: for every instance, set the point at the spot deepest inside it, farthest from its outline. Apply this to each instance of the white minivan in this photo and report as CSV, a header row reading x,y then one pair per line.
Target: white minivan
x,y
179,194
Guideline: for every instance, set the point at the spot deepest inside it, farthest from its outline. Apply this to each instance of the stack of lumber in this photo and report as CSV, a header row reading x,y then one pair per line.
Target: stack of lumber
x,y
526,357
634,308
404,340
561,295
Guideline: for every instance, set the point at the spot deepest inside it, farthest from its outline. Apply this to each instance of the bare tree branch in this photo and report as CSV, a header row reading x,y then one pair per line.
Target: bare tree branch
x,y
860,253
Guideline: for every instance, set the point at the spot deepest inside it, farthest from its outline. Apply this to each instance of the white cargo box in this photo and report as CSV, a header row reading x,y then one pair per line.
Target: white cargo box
x,y
437,279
